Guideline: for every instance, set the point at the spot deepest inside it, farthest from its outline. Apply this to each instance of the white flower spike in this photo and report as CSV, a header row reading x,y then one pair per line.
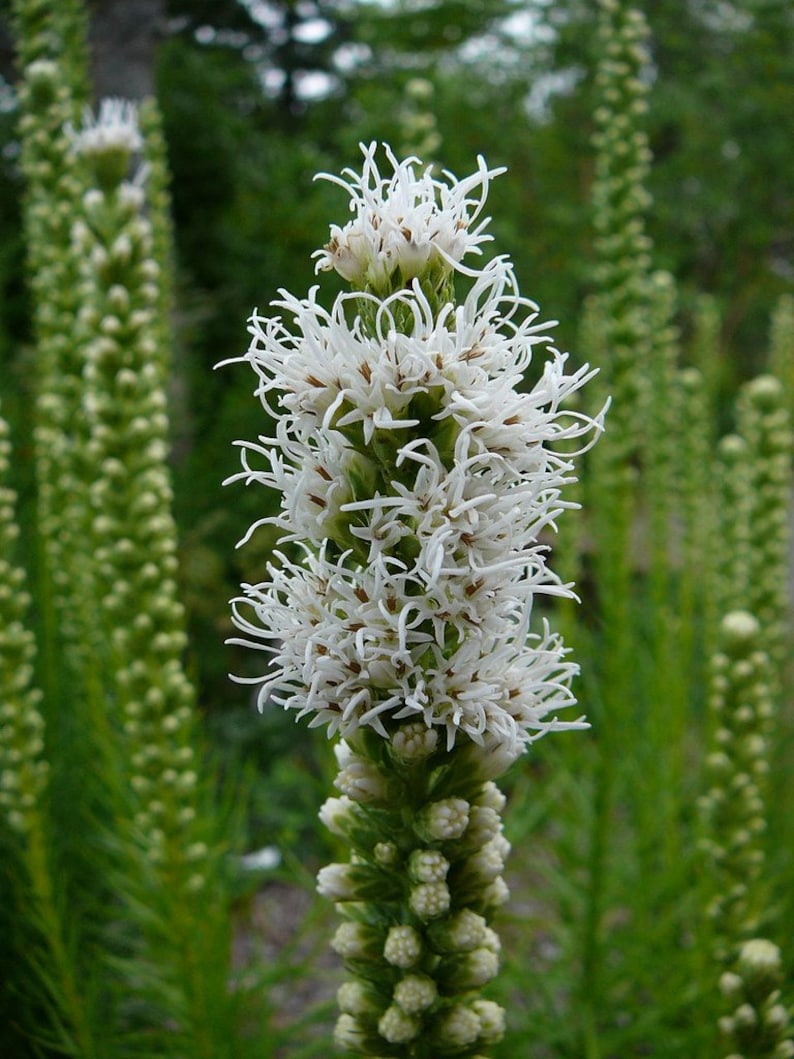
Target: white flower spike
x,y
421,449
405,222
417,472
114,128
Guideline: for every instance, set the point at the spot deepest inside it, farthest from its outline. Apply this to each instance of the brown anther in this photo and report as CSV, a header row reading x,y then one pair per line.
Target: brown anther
x,y
472,354
324,473
474,587
391,604
366,371
314,381
361,593
318,500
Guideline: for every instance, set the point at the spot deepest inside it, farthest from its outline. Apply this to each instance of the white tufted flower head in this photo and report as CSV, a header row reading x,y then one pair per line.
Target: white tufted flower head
x,y
115,127
109,141
421,454
405,222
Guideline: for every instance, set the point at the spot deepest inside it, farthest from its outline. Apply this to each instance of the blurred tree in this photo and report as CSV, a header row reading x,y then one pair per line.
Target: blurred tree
x,y
123,37
723,93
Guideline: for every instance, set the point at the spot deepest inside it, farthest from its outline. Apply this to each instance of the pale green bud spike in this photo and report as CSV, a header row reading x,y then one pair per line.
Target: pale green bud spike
x,y
732,811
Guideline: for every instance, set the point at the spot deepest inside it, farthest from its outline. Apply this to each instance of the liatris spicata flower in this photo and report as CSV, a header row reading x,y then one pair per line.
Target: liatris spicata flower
x,y
416,480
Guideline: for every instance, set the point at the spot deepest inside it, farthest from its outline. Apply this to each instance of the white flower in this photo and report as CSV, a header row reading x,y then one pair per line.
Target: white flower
x,y
405,222
417,471
114,128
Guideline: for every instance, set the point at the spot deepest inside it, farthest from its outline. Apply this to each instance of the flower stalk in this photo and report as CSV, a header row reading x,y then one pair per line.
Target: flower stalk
x,y
416,481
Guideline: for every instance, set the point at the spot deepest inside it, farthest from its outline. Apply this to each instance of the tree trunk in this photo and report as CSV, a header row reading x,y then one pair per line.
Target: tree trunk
x,y
123,38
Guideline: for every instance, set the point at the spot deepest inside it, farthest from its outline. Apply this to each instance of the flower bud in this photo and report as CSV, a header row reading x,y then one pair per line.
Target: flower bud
x,y
446,819
430,900
354,999
458,1027
427,866
415,993
354,941
336,814
403,947
469,970
398,1027
414,742
336,882
462,932
492,1021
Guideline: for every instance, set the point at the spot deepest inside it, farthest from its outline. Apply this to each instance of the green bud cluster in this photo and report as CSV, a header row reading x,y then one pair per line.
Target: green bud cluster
x,y
132,532
758,1026
54,32
632,308
733,808
53,190
619,203
23,770
417,895
764,423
